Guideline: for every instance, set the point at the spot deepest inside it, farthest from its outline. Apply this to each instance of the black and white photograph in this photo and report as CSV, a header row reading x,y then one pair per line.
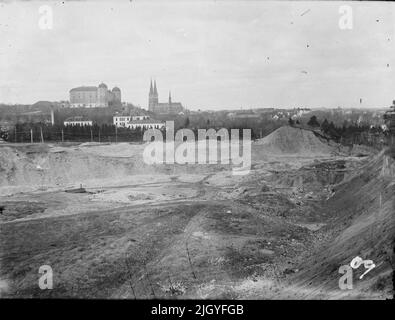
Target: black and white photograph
x,y
200,150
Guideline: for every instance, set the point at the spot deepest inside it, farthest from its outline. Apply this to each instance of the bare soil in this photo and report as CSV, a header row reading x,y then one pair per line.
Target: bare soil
x,y
174,231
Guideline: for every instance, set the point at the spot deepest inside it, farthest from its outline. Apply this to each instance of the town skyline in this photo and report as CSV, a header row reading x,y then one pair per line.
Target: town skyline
x,y
208,54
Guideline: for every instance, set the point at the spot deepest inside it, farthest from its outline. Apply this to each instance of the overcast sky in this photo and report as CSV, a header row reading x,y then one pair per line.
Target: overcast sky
x,y
210,54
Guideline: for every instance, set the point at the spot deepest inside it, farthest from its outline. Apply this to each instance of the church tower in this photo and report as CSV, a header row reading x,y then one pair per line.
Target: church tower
x,y
152,97
156,99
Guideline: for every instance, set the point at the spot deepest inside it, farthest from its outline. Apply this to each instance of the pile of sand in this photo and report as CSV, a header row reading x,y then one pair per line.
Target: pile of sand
x,y
289,140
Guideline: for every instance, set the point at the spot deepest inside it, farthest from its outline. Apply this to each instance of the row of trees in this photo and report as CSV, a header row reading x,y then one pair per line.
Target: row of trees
x,y
259,127
38,132
349,133
26,132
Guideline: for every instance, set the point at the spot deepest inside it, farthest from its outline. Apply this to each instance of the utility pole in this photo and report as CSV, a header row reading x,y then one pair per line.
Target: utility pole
x,y
15,134
42,136
116,134
62,136
31,135
52,117
99,135
91,135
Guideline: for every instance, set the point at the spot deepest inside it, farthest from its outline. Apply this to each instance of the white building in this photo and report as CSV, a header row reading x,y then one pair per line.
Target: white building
x,y
121,121
77,121
146,124
133,122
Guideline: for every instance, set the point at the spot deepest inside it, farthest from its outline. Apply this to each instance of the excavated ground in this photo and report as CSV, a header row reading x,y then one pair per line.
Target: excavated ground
x,y
281,231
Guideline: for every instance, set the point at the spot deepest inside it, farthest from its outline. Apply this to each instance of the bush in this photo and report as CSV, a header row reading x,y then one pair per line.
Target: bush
x,y
313,122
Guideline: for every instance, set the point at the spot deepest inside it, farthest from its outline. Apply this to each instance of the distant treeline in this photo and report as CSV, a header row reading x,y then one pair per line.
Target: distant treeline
x,y
41,113
24,132
350,133
38,132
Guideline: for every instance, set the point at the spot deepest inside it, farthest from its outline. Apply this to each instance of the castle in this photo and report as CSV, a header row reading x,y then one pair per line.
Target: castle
x,y
94,97
162,107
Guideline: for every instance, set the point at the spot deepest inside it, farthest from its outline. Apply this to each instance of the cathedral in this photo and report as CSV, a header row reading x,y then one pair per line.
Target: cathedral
x,y
162,107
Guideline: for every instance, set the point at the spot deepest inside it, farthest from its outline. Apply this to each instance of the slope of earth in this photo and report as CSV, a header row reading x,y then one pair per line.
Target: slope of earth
x,y
362,224
359,221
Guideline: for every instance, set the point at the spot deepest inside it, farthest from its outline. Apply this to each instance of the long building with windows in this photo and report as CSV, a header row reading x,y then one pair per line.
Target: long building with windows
x,y
94,97
133,122
77,121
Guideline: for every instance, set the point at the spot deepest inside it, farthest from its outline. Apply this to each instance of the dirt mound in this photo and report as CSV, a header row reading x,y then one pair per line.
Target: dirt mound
x,y
289,140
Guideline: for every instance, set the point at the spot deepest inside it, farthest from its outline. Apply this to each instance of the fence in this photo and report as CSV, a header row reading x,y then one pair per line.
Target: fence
x,y
45,133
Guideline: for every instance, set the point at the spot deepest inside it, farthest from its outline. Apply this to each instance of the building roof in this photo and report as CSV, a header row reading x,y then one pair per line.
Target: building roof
x,y
147,121
132,113
176,106
84,88
102,85
116,89
166,104
77,118
43,104
122,114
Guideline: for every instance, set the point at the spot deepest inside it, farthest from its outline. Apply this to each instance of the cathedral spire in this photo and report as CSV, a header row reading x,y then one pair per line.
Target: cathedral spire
x,y
169,97
155,91
151,89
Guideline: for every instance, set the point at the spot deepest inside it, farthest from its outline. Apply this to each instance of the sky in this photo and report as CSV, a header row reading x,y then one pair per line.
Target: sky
x,y
210,54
